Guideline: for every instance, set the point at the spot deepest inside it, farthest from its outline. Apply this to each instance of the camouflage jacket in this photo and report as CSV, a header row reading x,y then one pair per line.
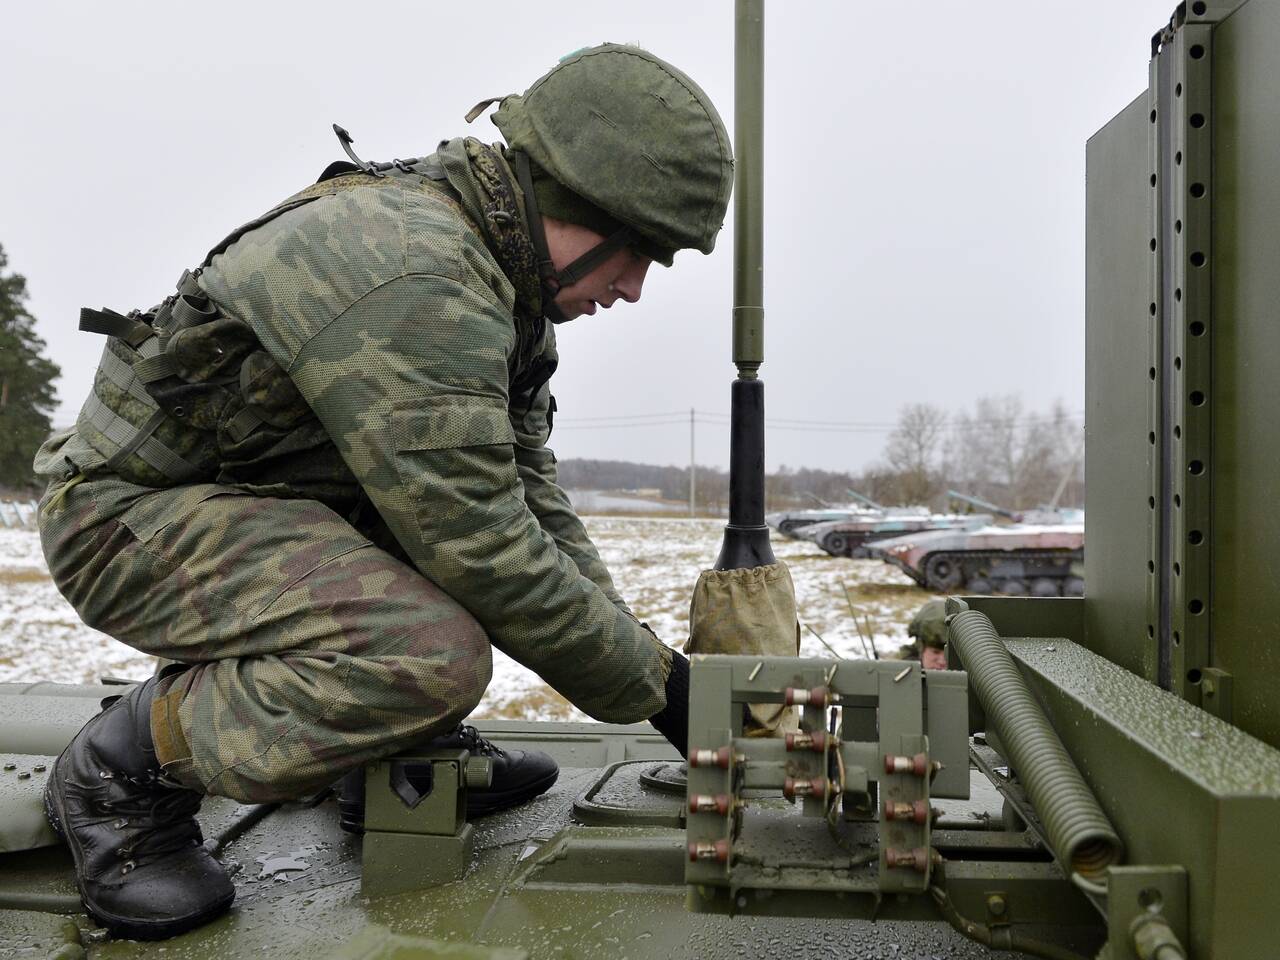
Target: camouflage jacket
x,y
400,310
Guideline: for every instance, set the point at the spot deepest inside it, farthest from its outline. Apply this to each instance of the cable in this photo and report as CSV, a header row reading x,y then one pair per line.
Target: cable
x,y
798,425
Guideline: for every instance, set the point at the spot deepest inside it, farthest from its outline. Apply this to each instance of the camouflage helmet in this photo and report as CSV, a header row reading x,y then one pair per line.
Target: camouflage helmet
x,y
929,625
632,135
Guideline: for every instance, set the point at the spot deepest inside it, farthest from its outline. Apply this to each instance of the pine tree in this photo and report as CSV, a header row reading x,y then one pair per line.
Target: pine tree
x,y
27,396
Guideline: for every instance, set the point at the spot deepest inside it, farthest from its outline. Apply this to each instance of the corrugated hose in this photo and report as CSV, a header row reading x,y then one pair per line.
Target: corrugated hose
x,y
1081,836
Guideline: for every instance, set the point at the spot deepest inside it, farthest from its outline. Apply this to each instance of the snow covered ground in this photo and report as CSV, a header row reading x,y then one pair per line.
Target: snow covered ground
x,y
655,563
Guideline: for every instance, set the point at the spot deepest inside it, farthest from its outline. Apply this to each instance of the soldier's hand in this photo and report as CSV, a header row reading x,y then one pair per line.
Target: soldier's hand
x,y
673,720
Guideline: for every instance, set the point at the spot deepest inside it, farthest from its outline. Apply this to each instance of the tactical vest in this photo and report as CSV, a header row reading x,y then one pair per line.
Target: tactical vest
x,y
185,393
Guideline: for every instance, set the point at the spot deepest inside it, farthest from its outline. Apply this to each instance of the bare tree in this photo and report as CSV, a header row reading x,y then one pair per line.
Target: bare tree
x,y
914,452
1013,458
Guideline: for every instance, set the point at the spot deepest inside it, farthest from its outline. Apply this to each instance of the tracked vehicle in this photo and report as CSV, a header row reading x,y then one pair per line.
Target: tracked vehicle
x,y
851,538
797,523
1098,776
1021,559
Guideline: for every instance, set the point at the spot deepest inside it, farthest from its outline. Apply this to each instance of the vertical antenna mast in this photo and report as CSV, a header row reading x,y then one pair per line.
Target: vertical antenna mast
x,y
746,538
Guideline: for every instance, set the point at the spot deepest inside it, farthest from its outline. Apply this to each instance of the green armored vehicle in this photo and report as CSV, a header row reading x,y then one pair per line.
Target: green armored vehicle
x,y
1097,776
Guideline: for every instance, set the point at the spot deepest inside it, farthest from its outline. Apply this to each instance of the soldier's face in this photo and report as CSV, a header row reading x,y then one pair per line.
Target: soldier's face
x,y
931,658
621,277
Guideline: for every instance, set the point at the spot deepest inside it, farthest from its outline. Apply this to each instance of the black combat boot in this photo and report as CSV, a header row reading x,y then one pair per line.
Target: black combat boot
x,y
518,777
140,866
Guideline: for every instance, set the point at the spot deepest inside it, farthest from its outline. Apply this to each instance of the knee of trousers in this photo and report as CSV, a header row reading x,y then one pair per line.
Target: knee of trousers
x,y
469,686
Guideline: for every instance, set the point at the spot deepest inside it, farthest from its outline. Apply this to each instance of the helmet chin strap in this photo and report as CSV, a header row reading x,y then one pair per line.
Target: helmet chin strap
x,y
554,281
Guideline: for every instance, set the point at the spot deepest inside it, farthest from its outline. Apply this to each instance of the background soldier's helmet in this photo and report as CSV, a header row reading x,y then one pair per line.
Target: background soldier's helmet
x,y
633,136
929,625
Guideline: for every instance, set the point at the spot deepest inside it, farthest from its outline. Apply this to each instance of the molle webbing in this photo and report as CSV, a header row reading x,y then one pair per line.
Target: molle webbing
x,y
137,440
146,341
123,376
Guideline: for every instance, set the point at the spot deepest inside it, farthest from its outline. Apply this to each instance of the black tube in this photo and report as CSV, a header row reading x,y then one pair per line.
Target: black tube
x,y
746,538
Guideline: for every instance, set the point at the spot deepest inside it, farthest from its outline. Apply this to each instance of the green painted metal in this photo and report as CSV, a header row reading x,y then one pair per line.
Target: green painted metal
x,y
1181,470
25,933
1117,321
1190,165
24,825
748,188
1034,616
1137,895
737,843
1182,787
379,943
1246,362
416,833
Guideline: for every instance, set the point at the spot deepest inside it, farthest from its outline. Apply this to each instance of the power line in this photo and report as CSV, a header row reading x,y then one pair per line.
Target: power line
x,y
633,416
715,418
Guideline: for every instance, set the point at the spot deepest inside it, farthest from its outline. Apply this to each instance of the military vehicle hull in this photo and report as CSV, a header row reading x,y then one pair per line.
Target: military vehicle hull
x,y
593,869
1016,560
790,523
849,538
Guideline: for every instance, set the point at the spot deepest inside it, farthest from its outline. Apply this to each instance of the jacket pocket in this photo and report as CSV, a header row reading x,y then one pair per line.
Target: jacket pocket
x,y
456,464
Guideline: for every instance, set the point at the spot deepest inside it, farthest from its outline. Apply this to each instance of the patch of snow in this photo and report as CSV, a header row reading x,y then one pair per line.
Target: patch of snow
x,y
654,561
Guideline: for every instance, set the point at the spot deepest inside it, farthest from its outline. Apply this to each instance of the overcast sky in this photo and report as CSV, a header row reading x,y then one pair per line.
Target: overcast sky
x,y
924,185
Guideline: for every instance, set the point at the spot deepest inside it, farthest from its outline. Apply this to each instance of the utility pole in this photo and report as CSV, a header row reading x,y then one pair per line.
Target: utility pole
x,y
693,470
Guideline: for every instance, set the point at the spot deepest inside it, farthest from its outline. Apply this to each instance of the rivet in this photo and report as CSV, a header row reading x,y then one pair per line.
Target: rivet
x,y
11,766
25,775
39,768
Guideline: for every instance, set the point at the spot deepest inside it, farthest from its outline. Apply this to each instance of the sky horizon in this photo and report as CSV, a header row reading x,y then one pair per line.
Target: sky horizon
x,y
924,189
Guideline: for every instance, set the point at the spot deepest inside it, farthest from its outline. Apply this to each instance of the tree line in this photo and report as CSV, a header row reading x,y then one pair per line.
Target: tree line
x,y
997,450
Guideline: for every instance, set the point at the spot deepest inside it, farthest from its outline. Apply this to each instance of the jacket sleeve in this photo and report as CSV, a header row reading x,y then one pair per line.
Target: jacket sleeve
x,y
536,467
410,381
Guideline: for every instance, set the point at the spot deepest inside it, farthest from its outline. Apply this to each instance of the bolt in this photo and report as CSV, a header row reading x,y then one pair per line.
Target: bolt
x,y
39,768
24,775
10,766
996,905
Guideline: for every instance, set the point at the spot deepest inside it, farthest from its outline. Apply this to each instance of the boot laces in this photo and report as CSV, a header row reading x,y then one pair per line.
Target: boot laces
x,y
162,821
476,744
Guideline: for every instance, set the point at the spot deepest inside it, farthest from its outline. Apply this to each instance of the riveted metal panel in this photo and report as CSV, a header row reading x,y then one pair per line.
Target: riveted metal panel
x,y
1246,363
1118,324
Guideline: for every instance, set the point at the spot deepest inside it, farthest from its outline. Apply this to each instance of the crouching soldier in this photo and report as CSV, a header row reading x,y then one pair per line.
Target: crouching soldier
x,y
316,477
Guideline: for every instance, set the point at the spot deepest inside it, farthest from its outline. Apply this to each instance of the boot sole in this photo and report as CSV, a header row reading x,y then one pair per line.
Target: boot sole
x,y
119,927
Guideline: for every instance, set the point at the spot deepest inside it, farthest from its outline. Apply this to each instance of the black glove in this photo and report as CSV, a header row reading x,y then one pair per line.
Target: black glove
x,y
673,721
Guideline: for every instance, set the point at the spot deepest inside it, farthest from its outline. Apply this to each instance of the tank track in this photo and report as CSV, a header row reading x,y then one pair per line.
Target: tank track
x,y
1042,573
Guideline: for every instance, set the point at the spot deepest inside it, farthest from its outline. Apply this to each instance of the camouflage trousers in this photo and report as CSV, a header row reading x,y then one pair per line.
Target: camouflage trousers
x,y
311,649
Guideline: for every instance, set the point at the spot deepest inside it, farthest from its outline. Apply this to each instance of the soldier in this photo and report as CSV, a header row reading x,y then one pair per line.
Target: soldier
x,y
929,630
316,476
